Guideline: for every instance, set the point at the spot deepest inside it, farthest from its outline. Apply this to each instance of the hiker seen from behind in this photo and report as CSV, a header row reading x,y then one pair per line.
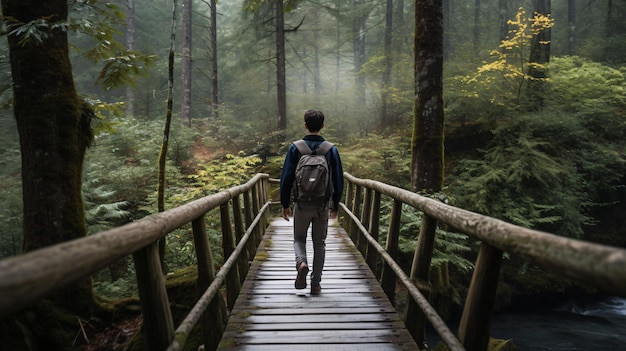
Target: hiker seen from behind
x,y
311,180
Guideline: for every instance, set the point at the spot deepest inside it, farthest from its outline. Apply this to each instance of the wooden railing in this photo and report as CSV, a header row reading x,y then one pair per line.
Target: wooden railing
x,y
27,278
602,267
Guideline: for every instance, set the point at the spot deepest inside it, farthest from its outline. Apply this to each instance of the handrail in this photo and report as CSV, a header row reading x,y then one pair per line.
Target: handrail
x,y
183,330
600,266
27,278
432,315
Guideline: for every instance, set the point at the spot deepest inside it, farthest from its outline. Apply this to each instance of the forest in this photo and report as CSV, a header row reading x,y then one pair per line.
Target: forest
x,y
187,97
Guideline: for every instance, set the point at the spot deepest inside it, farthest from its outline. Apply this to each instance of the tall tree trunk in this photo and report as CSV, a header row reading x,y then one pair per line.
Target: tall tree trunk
x,y
305,74
166,132
427,154
130,44
400,39
281,93
608,30
213,39
185,112
539,54
338,56
476,24
503,17
386,119
447,25
571,21
55,131
359,51
317,88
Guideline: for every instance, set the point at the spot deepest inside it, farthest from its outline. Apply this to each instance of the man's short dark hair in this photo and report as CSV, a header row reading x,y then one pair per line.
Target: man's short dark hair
x,y
314,120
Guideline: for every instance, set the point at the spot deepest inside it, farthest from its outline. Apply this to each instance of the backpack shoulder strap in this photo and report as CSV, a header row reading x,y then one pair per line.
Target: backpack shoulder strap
x,y
302,146
324,147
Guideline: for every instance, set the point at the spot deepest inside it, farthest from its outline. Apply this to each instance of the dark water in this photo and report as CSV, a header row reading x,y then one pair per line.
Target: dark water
x,y
598,325
571,326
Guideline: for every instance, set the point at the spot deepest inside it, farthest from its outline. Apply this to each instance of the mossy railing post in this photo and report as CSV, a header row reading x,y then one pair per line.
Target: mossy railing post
x,y
365,219
374,227
255,209
242,262
157,316
264,199
247,206
233,284
388,278
349,201
213,319
476,319
356,208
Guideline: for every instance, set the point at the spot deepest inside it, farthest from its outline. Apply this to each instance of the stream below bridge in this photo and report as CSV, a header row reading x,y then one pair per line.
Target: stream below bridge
x,y
574,325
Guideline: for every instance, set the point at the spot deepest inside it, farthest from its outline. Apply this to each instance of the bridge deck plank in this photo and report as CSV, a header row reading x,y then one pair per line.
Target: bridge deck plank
x,y
351,313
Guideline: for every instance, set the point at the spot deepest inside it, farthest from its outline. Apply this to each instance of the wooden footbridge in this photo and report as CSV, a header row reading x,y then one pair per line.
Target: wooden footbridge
x,y
351,313
253,289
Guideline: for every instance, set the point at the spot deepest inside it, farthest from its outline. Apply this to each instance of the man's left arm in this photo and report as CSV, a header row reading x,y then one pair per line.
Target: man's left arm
x,y
337,172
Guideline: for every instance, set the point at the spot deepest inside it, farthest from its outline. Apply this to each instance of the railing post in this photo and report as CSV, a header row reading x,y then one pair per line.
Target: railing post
x,y
388,279
374,226
213,319
356,206
242,262
232,280
349,201
415,319
265,198
247,206
365,219
476,318
255,210
157,316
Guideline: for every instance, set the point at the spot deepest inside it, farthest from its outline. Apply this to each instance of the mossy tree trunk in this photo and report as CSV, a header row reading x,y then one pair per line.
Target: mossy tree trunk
x,y
54,128
427,154
539,57
281,81
166,134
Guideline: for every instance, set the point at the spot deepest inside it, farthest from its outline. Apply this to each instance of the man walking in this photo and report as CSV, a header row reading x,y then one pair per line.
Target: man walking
x,y
307,210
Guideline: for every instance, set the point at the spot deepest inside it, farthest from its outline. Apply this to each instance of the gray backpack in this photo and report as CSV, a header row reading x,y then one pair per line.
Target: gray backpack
x,y
313,183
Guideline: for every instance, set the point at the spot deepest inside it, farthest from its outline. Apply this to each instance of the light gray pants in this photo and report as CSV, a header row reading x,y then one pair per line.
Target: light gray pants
x,y
318,219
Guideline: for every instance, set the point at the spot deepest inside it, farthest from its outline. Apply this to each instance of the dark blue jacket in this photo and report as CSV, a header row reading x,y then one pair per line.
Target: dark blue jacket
x,y
289,171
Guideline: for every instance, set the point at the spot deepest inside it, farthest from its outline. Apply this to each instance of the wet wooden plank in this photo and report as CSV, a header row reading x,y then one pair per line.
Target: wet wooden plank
x,y
351,313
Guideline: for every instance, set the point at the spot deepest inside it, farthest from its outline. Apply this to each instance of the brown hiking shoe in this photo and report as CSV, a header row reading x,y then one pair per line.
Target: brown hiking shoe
x,y
316,289
303,270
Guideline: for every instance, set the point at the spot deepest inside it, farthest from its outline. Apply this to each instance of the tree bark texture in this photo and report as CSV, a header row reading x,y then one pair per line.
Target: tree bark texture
x,y
386,119
213,34
130,45
503,17
55,131
476,39
540,54
281,93
185,112
540,46
358,44
427,142
571,22
166,133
